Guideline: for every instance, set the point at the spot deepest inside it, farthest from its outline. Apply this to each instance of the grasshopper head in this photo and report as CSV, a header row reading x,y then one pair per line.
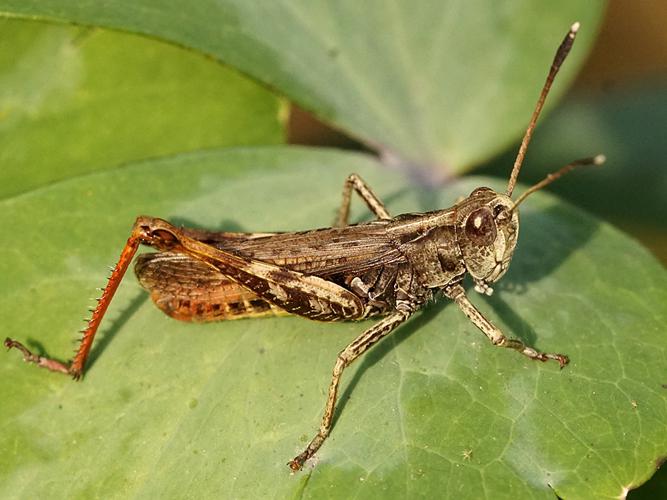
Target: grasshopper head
x,y
487,227
487,222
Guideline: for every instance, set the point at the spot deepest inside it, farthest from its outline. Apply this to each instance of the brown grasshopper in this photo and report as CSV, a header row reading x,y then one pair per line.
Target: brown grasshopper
x,y
389,267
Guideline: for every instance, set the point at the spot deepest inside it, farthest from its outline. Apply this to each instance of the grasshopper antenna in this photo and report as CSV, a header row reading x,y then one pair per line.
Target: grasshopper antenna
x,y
595,160
561,54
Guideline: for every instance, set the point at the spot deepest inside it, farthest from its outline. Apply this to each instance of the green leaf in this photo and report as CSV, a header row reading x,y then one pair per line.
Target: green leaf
x,y
430,84
173,410
74,100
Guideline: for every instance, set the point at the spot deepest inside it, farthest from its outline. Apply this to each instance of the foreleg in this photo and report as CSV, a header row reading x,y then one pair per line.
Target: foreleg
x,y
493,333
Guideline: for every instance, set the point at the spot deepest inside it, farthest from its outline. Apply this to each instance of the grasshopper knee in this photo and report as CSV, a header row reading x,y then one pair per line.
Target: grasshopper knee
x,y
515,344
341,362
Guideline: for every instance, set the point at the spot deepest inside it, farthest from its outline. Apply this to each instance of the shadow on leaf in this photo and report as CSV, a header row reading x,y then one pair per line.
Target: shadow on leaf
x,y
547,239
117,324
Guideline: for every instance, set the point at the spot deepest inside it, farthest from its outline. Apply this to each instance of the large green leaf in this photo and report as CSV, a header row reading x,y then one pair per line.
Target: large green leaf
x,y
429,84
174,410
78,99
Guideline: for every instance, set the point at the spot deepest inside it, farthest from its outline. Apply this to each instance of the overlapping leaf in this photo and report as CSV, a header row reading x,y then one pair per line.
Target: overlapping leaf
x,y
74,100
431,84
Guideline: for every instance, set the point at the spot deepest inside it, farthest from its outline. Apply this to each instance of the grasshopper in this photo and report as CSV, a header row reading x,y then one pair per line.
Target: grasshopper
x,y
390,267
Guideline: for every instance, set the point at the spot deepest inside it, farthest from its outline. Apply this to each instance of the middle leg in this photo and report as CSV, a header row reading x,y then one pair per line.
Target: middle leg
x,y
355,349
366,194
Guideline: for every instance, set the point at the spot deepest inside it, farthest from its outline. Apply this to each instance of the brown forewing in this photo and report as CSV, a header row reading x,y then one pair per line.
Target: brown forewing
x,y
323,252
190,290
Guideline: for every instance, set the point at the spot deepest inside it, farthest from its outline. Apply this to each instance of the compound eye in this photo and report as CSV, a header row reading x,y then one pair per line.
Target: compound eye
x,y
500,212
480,227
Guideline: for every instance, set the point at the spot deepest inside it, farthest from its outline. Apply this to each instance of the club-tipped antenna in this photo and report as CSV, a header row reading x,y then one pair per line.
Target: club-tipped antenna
x,y
594,160
561,54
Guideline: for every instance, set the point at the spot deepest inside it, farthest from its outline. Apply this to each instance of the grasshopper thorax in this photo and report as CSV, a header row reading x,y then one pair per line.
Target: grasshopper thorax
x,y
487,227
